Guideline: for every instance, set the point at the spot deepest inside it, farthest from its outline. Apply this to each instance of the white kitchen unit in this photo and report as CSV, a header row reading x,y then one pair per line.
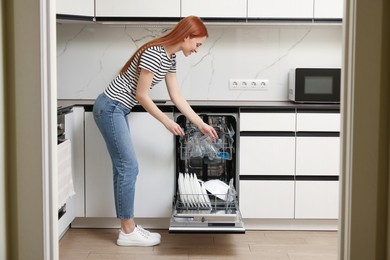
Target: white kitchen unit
x,y
273,199
268,121
267,155
328,9
134,8
317,164
318,155
267,163
280,9
76,7
154,146
318,121
74,131
289,164
214,9
318,143
316,199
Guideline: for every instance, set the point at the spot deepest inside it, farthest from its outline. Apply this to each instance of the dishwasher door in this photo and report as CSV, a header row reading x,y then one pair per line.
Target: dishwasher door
x,y
206,197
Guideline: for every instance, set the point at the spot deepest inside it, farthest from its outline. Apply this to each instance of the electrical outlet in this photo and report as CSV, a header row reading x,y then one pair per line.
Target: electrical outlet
x,y
260,84
239,84
248,84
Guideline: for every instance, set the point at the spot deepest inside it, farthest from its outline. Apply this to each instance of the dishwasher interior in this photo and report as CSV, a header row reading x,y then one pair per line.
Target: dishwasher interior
x,y
206,198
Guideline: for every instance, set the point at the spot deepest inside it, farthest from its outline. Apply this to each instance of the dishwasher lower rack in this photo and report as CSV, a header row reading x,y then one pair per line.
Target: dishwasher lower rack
x,y
192,213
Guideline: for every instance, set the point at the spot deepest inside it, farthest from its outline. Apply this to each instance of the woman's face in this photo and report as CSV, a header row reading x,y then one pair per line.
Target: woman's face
x,y
191,45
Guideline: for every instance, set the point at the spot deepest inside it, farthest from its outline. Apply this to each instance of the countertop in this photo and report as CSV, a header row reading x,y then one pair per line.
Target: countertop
x,y
66,103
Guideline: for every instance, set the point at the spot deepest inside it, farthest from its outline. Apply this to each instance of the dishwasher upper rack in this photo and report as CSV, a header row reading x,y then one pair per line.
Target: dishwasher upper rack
x,y
193,144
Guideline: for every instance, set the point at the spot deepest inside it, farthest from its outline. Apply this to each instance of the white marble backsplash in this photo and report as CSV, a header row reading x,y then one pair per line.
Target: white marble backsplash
x,y
90,55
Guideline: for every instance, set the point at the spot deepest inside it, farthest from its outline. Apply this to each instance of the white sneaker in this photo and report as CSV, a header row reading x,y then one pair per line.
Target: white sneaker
x,y
150,233
139,237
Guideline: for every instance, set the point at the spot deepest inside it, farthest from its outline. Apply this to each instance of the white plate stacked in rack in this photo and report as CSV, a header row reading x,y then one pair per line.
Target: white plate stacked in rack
x,y
192,192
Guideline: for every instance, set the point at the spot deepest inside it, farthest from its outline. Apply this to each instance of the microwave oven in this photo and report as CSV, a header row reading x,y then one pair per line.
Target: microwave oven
x,y
314,85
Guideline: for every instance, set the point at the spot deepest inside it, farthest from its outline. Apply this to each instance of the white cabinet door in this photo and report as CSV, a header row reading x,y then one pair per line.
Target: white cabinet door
x,y
154,146
134,8
317,200
99,199
267,122
267,155
74,131
283,9
318,155
318,122
76,7
328,9
267,199
215,8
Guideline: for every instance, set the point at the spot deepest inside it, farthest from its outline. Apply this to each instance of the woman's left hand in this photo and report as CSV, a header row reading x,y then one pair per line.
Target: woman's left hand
x,y
208,130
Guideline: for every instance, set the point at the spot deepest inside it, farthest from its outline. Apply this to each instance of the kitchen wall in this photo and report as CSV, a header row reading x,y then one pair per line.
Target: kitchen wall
x,y
90,55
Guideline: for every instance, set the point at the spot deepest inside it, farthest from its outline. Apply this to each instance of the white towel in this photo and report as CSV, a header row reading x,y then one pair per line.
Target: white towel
x,y
65,180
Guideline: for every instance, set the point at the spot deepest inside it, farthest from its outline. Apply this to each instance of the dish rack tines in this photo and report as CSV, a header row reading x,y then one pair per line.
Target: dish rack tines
x,y
183,203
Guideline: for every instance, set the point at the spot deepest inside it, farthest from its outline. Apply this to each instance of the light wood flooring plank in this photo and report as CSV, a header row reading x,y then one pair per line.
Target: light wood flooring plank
x,y
268,245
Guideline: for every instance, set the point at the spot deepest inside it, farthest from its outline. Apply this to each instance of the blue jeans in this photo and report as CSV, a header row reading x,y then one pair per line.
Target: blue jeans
x,y
111,119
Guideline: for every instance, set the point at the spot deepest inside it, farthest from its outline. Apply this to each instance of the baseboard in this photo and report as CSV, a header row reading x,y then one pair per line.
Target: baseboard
x,y
250,224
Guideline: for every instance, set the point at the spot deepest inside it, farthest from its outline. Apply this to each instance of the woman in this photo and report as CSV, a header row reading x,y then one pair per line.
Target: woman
x,y
152,62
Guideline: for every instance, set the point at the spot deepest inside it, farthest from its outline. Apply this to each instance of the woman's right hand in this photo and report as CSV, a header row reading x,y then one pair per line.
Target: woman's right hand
x,y
208,130
173,127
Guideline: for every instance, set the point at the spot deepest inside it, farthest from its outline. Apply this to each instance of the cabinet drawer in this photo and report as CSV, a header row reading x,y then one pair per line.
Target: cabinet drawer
x,y
75,7
267,122
317,155
286,9
133,8
317,200
267,155
328,9
206,8
267,199
320,122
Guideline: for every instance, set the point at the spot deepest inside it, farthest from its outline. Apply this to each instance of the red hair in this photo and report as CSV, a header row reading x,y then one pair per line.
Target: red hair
x,y
191,26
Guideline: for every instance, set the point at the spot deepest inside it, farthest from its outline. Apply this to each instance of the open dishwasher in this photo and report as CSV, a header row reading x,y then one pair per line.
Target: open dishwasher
x,y
206,198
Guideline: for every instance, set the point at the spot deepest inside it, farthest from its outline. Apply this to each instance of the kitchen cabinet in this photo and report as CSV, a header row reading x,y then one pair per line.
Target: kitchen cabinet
x,y
289,163
318,143
262,155
328,9
76,7
318,155
318,121
280,9
271,199
316,199
241,9
133,8
267,163
317,164
269,120
74,131
154,146
214,9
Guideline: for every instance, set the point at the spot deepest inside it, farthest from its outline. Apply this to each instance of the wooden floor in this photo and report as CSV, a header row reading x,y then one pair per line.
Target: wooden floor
x,y
270,245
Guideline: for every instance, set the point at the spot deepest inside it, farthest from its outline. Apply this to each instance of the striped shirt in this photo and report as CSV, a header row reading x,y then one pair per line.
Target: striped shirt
x,y
155,59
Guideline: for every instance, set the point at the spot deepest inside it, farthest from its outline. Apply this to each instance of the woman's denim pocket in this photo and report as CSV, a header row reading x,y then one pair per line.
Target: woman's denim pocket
x,y
101,105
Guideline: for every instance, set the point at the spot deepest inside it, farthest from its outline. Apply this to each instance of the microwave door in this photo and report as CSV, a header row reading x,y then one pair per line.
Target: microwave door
x,y
315,85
